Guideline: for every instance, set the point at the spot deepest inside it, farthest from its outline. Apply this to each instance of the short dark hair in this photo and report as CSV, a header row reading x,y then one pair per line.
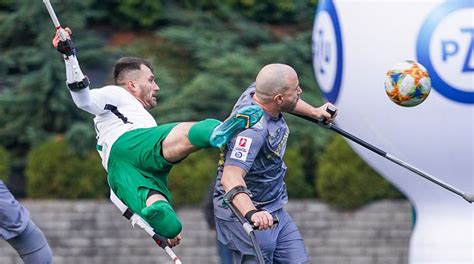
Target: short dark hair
x,y
126,64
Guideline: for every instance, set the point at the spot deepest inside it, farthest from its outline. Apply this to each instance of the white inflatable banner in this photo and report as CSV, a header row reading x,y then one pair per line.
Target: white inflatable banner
x,y
355,42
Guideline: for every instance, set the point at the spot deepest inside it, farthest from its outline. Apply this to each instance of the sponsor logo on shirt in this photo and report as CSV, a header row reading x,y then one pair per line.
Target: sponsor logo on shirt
x,y
241,148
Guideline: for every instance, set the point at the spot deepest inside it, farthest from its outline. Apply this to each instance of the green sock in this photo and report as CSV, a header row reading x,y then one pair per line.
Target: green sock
x,y
161,216
200,133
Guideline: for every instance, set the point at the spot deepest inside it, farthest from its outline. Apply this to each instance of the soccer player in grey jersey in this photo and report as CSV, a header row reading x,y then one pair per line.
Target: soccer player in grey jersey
x,y
253,160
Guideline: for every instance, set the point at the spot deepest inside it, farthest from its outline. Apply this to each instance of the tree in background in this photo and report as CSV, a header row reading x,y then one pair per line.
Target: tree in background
x,y
205,52
4,164
151,14
34,101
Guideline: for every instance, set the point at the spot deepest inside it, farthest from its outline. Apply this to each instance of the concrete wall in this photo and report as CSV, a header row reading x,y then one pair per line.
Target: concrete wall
x,y
89,232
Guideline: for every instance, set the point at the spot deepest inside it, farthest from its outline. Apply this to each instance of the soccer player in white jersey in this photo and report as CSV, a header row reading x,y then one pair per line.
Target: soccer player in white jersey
x,y
136,153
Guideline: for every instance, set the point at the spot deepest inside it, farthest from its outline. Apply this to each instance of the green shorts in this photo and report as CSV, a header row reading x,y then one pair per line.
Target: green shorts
x,y
137,165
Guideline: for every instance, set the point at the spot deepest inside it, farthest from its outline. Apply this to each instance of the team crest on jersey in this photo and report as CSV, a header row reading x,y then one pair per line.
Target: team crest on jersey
x,y
241,148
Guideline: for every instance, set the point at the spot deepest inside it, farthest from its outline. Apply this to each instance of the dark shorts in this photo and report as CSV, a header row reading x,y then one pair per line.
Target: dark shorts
x,y
281,244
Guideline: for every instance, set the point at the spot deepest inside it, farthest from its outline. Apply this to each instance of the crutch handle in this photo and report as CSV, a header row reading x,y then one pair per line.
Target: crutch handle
x,y
276,221
331,110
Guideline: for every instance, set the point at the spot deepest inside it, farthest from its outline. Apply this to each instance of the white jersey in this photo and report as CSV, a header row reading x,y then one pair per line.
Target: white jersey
x,y
116,112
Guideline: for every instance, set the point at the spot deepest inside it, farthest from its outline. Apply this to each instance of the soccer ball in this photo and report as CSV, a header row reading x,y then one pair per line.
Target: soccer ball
x,y
407,83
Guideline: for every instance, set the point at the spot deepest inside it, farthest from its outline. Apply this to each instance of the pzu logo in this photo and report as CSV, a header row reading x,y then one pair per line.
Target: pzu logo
x,y
446,47
322,52
450,48
327,50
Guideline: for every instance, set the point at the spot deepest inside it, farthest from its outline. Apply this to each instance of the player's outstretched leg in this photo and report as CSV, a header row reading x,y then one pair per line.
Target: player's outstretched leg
x,y
212,132
242,119
186,138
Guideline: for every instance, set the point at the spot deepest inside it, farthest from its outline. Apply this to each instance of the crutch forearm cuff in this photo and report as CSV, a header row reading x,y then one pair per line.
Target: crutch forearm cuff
x,y
75,79
77,86
229,196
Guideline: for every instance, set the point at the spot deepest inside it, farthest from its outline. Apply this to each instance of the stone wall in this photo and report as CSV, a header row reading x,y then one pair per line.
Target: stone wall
x,y
89,232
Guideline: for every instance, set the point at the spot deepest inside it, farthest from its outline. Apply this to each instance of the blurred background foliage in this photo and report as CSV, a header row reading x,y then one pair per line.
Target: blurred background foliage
x,y
343,172
4,164
54,171
205,53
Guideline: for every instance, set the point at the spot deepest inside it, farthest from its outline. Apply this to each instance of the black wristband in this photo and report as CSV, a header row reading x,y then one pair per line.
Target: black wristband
x,y
249,215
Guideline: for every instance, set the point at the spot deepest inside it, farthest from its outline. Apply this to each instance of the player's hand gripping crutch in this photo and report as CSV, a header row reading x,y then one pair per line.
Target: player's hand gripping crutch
x,y
136,219
76,80
61,32
65,46
249,229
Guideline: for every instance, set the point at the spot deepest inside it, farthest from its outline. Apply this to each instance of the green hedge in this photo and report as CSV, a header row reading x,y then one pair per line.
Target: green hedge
x,y
53,171
345,181
4,164
190,179
296,184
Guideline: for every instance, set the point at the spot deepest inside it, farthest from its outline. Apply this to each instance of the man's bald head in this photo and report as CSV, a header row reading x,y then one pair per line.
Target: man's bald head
x,y
273,79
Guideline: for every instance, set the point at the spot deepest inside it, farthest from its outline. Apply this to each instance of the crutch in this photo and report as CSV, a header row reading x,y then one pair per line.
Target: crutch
x,y
467,196
52,14
249,229
136,219
78,76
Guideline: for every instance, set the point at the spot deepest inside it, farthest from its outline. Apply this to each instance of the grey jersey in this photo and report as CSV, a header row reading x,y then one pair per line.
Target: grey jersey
x,y
259,151
13,216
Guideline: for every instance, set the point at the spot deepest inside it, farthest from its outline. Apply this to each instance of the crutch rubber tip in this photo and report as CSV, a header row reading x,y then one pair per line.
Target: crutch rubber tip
x,y
468,197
